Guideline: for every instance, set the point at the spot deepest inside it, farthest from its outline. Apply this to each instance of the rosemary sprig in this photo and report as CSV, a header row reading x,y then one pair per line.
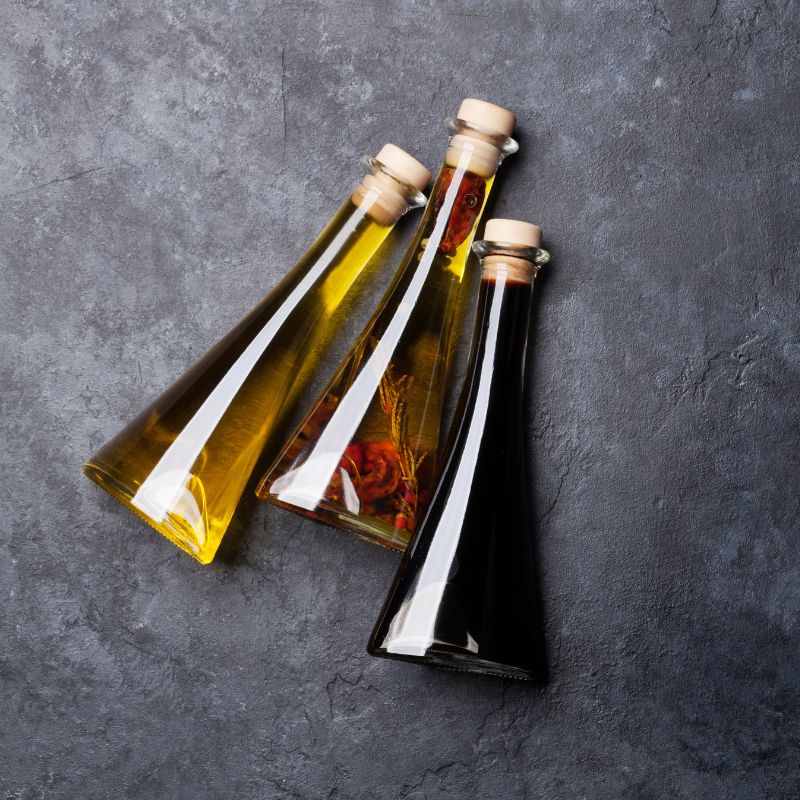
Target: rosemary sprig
x,y
394,399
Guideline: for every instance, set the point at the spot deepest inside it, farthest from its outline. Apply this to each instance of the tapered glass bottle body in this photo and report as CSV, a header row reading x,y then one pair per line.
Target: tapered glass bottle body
x,y
183,464
365,458
465,595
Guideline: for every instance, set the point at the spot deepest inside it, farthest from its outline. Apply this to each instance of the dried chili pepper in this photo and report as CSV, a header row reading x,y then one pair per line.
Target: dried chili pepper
x,y
467,206
373,467
312,428
381,471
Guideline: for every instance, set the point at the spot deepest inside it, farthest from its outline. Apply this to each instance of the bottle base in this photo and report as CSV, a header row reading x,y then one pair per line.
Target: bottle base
x,y
107,479
387,537
461,662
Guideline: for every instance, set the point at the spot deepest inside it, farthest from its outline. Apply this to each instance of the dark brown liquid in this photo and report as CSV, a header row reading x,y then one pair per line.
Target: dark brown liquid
x,y
465,594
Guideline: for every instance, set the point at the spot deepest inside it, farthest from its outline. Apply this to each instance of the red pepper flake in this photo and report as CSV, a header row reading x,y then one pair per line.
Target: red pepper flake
x,y
467,206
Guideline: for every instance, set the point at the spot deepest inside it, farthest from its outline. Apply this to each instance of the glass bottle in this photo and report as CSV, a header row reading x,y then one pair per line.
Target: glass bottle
x,y
365,456
465,593
183,463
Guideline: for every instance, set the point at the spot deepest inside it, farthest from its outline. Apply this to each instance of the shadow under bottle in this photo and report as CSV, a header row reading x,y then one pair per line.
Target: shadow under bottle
x,y
465,595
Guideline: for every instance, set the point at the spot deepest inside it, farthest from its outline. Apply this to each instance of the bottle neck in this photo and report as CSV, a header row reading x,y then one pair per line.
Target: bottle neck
x,y
508,268
459,195
511,262
478,150
507,290
383,196
504,307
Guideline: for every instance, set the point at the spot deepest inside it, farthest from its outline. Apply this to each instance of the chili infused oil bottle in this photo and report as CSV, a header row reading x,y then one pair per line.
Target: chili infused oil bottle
x,y
366,456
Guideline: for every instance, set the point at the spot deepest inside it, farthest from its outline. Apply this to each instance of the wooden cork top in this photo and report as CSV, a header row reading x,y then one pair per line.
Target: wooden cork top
x,y
522,257
487,115
513,231
395,180
404,166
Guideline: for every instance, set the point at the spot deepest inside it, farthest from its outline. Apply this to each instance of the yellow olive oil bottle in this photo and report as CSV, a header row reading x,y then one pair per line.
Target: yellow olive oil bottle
x,y
183,463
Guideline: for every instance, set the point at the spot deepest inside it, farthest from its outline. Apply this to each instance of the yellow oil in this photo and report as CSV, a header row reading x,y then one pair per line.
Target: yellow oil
x,y
406,345
183,464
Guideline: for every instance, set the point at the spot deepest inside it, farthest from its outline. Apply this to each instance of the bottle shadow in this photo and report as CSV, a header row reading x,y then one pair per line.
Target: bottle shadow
x,y
540,289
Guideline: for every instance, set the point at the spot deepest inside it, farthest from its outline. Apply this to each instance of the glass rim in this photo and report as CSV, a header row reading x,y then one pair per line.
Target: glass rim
x,y
414,197
485,247
505,144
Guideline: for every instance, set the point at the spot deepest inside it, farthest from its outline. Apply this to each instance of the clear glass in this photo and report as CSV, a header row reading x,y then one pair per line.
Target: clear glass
x,y
465,594
183,464
366,456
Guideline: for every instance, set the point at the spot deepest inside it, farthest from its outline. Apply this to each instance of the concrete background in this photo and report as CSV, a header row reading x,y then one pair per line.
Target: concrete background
x,y
163,163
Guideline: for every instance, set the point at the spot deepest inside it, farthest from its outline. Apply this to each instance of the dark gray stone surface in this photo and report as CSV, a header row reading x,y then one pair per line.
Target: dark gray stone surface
x,y
163,163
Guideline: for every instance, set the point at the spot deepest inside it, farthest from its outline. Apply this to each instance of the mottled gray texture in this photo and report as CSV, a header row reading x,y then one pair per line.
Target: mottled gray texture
x,y
162,163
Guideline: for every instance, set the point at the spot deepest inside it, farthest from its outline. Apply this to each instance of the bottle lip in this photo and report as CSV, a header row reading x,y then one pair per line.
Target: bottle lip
x,y
414,197
536,255
505,144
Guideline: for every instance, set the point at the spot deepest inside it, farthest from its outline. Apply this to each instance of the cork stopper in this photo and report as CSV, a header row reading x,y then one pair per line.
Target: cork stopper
x,y
481,148
404,166
513,231
393,186
487,115
510,250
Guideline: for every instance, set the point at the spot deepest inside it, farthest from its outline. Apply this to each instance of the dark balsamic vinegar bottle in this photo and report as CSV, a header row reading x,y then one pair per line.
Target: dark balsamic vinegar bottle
x,y
465,594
